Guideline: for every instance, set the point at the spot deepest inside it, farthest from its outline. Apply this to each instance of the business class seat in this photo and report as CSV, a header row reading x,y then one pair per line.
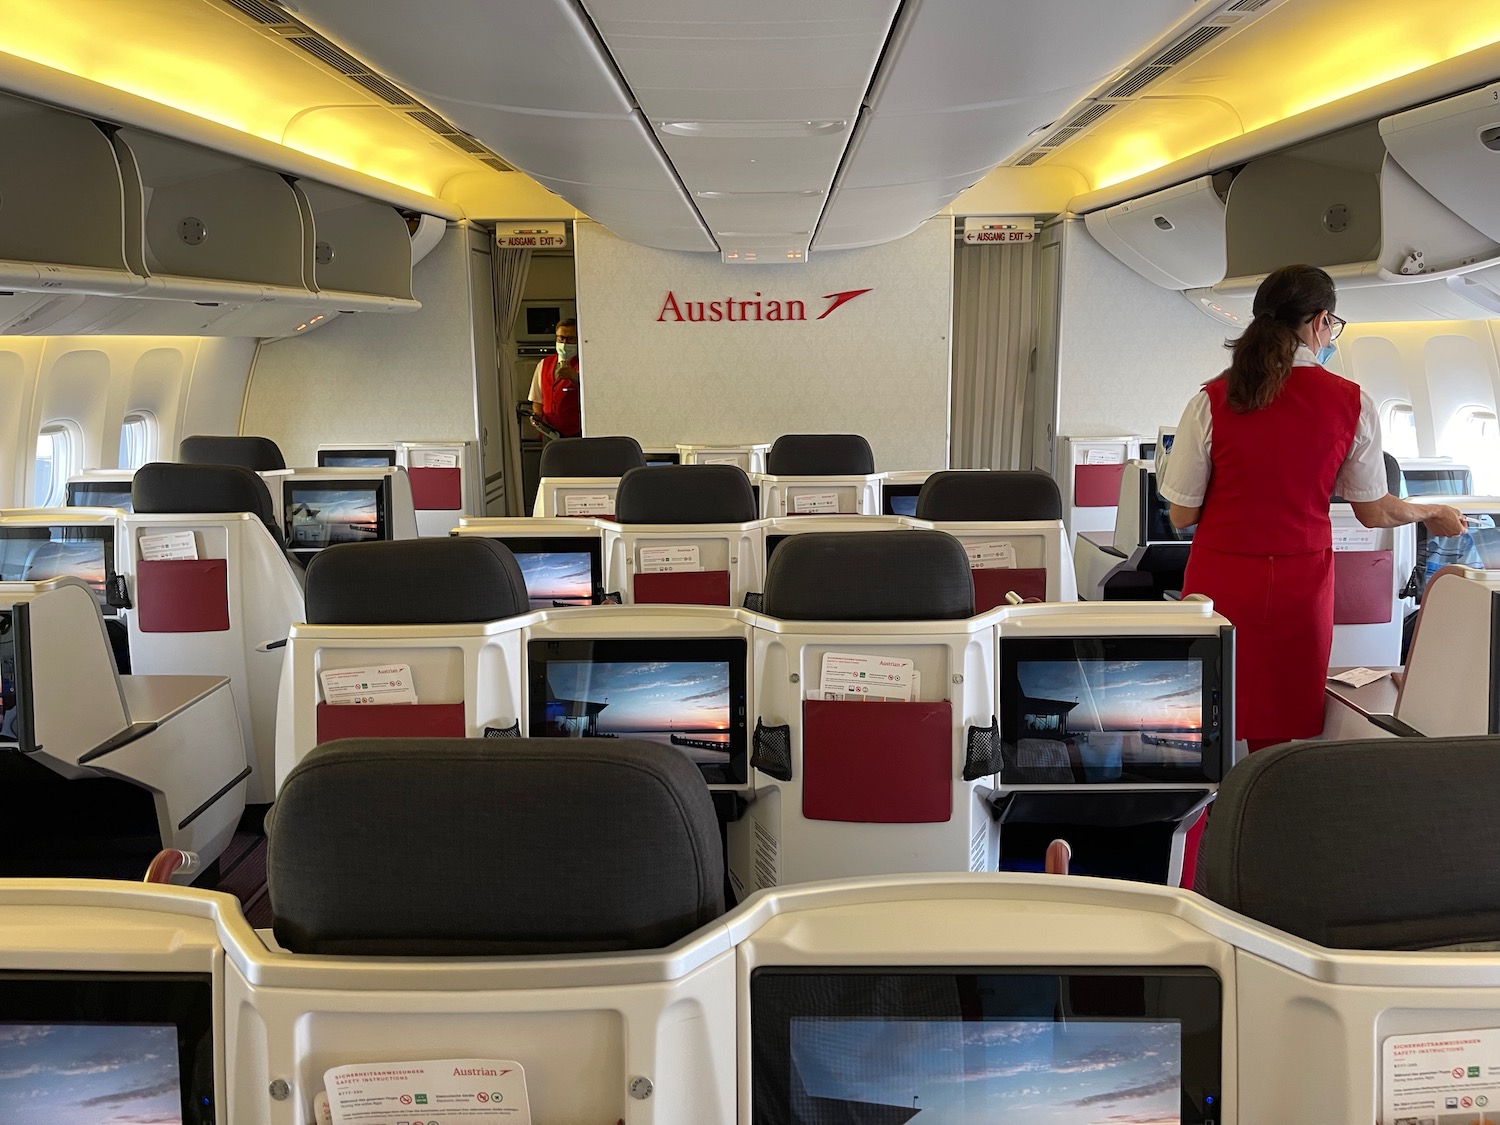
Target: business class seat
x,y
1376,844
479,847
996,496
1011,524
820,455
846,787
227,610
579,475
654,558
258,454
437,606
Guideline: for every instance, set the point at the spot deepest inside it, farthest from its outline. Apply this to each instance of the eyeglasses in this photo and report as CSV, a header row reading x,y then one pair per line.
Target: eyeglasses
x,y
1335,326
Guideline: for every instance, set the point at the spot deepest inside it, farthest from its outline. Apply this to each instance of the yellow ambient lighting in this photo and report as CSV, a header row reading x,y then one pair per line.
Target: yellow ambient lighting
x,y
1296,58
199,59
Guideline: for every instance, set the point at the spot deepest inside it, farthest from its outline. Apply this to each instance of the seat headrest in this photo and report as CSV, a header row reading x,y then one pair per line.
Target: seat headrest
x,y
414,582
869,576
591,457
820,455
258,454
1387,843
994,496
1395,482
163,487
465,847
685,494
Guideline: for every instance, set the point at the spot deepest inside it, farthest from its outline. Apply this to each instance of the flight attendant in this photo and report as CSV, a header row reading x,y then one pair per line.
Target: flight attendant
x,y
1257,455
555,401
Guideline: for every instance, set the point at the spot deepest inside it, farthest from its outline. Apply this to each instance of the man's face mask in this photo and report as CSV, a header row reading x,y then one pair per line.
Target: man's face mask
x,y
568,351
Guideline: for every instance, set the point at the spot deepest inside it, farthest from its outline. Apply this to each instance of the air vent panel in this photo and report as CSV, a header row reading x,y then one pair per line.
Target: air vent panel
x,y
431,121
1088,116
1189,43
1248,5
467,143
341,61
1059,138
1031,158
1135,81
385,91
261,12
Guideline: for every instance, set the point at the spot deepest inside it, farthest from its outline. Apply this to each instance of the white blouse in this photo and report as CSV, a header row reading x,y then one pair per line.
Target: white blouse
x,y
1182,476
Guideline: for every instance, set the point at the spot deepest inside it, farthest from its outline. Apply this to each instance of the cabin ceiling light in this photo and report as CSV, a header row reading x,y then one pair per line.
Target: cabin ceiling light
x,y
751,130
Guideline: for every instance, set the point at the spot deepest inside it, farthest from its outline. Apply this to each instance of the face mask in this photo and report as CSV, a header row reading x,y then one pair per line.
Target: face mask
x,y
567,351
1325,353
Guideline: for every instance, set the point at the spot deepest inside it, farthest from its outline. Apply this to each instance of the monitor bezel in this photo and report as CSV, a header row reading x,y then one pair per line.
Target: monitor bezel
x,y
734,651
563,544
383,511
1211,649
1430,473
77,488
387,456
77,531
1149,494
183,1000
17,622
903,490
1196,987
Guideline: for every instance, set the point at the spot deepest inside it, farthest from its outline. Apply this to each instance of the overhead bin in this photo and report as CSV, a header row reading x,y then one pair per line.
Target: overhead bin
x,y
1174,238
1340,202
1452,148
62,206
209,223
360,250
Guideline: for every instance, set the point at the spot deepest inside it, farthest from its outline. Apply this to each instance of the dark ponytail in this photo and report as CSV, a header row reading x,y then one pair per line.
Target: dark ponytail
x,y
1285,301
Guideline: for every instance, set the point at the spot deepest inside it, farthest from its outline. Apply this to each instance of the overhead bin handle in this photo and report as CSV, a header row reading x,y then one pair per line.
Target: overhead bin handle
x,y
1490,138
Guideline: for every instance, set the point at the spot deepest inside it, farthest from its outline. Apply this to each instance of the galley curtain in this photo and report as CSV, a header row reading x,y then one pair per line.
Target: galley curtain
x,y
994,313
510,270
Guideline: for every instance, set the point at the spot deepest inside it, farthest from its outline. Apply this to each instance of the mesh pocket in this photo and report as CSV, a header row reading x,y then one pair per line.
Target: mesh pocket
x,y
512,731
755,602
982,755
771,752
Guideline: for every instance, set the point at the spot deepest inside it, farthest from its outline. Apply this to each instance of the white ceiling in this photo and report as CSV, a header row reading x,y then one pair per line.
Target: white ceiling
x,y
759,129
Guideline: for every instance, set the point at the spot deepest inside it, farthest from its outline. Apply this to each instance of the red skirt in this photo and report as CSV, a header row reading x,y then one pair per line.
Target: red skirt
x,y
1282,610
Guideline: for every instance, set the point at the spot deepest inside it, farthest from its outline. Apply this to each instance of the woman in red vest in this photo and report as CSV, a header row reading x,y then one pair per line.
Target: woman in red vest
x,y
554,388
1256,457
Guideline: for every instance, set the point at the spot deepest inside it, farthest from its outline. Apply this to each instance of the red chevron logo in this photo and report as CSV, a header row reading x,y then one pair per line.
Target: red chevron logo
x,y
839,299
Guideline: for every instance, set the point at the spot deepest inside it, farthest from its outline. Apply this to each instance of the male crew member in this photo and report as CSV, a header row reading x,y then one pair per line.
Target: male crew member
x,y
554,387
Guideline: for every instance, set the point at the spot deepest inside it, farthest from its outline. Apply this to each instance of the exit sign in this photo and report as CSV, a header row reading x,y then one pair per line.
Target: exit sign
x,y
532,236
993,230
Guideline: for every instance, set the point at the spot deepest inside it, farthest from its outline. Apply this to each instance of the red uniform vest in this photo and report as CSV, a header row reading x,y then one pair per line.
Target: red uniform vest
x,y
561,407
1274,468
1263,550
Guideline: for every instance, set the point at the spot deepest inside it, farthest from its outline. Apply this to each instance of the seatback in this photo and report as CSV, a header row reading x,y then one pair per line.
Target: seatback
x,y
1388,843
437,607
228,608
258,454
591,457
870,576
414,581
688,534
486,847
820,455
1000,495
685,494
170,487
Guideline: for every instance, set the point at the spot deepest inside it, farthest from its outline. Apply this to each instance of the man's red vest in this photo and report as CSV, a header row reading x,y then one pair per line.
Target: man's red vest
x,y
561,408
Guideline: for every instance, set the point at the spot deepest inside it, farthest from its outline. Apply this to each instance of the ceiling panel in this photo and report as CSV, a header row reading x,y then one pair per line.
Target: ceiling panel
x,y
756,165
716,60
768,212
538,55
972,53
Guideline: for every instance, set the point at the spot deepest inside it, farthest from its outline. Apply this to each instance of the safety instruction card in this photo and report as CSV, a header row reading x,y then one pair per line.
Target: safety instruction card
x,y
815,504
171,545
1426,1076
670,560
854,676
589,504
379,683
998,555
444,1092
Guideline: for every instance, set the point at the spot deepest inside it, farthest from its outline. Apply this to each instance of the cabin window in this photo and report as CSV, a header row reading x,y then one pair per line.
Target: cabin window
x,y
137,439
1473,439
57,450
1400,437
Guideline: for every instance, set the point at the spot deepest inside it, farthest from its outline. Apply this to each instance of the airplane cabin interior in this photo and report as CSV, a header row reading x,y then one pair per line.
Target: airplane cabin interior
x,y
602,562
